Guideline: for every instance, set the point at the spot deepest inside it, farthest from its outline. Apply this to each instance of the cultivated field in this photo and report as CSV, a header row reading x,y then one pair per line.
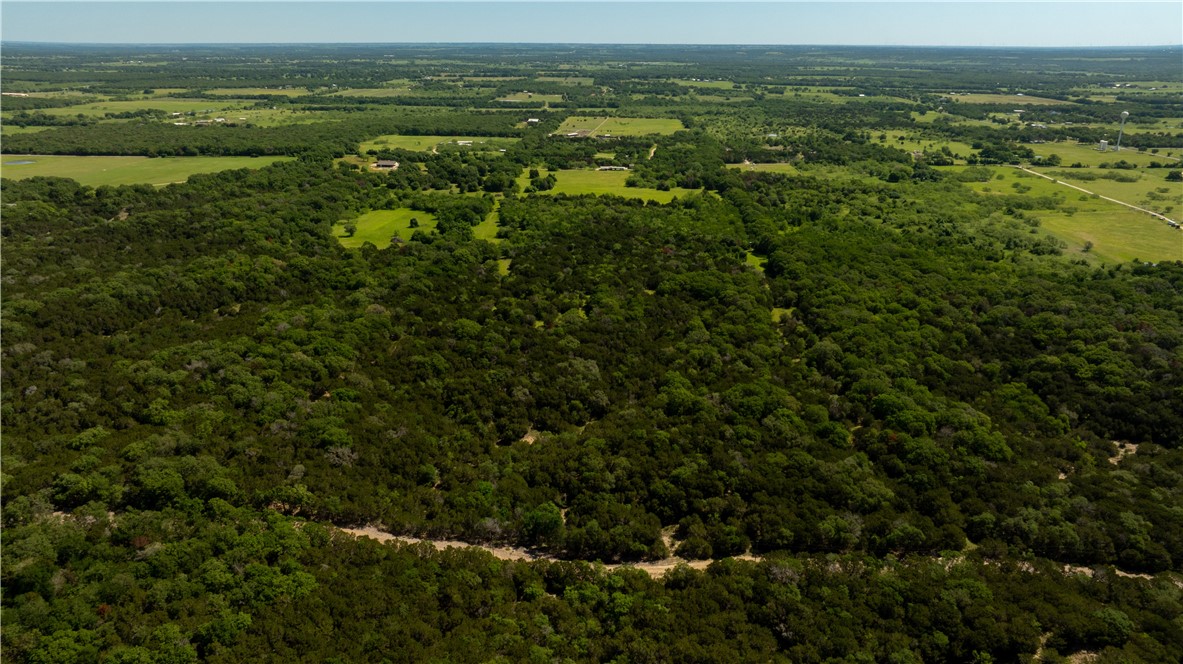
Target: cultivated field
x,y
595,126
379,226
97,171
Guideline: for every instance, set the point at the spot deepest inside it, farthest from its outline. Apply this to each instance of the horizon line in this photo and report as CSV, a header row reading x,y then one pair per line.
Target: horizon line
x,y
573,43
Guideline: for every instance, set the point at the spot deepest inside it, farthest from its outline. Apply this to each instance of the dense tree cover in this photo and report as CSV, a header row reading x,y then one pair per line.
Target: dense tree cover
x,y
894,407
336,138
912,411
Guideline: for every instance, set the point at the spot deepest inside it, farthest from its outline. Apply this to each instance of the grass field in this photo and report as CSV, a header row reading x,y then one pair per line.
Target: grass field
x,y
1117,232
569,80
373,92
619,126
767,168
379,226
531,96
917,141
575,182
429,142
716,85
167,104
256,92
487,229
97,171
1150,191
8,130
1005,99
1089,155
1118,235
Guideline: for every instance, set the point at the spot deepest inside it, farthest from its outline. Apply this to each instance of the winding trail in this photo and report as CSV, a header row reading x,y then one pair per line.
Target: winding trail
x,y
655,569
658,568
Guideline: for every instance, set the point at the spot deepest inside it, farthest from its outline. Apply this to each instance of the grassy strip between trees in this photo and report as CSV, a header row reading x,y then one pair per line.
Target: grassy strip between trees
x,y
98,171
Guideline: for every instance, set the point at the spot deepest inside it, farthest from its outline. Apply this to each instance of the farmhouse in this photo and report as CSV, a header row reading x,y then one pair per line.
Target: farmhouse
x,y
532,121
386,164
612,168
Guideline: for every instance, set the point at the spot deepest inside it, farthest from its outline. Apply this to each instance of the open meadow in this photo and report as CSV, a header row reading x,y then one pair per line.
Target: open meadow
x,y
576,182
1116,232
428,143
1009,99
378,227
98,171
167,104
597,126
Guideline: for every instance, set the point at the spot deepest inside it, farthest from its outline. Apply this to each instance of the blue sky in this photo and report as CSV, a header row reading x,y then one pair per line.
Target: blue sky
x,y
1056,23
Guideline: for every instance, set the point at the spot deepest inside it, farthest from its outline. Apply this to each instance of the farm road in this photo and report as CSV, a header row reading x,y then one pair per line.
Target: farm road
x,y
1090,193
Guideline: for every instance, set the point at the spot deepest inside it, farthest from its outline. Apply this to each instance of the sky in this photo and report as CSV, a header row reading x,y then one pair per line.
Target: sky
x,y
993,23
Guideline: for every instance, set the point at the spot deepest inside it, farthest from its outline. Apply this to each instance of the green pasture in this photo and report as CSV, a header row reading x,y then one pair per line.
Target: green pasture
x,y
98,171
716,85
568,80
277,117
719,99
487,229
917,141
1089,155
1150,191
1159,125
8,130
813,93
395,141
576,182
1117,232
531,96
1117,235
379,226
768,168
168,105
1017,100
259,92
620,126
372,92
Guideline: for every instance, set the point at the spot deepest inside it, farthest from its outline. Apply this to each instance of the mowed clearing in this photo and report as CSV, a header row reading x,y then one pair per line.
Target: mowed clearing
x,y
98,171
604,183
1117,233
598,126
1005,99
394,141
380,226
102,108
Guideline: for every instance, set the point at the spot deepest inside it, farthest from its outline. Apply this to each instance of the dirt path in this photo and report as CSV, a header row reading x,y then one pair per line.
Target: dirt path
x,y
597,128
652,151
656,568
1090,193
